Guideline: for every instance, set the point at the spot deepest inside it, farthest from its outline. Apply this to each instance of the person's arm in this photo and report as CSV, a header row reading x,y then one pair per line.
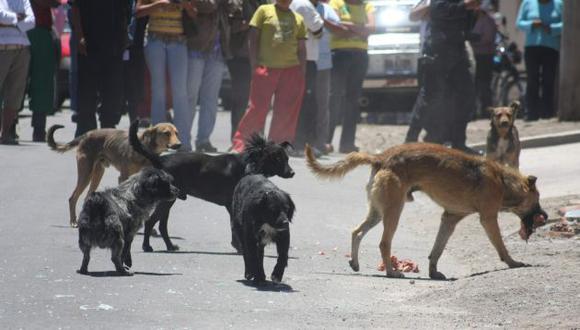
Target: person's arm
x,y
190,8
78,28
302,54
8,18
26,20
254,46
489,31
47,3
420,11
523,22
314,23
443,8
555,28
207,6
142,9
364,30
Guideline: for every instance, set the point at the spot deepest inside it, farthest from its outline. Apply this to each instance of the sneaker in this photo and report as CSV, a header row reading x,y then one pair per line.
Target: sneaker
x,y
348,149
205,147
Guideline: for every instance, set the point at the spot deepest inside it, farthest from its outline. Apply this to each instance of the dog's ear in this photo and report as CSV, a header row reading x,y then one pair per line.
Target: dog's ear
x,y
532,182
150,138
515,106
287,146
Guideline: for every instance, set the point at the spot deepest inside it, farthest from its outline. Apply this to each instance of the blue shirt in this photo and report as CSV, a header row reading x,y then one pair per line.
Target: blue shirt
x,y
550,14
15,32
324,53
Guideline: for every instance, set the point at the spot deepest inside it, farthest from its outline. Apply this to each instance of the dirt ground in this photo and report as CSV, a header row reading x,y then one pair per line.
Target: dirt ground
x,y
375,138
533,297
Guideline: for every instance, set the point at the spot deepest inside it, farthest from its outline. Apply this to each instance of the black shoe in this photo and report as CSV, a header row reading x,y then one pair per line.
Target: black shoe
x,y
348,149
39,135
469,150
205,147
10,141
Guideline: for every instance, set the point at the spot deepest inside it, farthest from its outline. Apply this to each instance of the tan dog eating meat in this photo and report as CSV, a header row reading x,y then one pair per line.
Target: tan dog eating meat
x,y
460,183
97,149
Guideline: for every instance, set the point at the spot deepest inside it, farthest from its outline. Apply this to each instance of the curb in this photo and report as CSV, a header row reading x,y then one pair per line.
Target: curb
x,y
538,141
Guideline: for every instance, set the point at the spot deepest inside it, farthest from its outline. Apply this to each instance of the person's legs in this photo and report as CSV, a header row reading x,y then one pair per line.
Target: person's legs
x,y
208,100
357,72
463,107
305,131
340,65
264,83
177,63
73,73
13,73
111,91
196,66
549,62
287,103
483,75
88,76
155,54
41,73
435,101
531,57
322,113
241,77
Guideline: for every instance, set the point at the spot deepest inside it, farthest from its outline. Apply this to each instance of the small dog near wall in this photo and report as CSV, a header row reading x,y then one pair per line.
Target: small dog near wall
x,y
460,183
212,178
110,218
503,141
97,149
262,214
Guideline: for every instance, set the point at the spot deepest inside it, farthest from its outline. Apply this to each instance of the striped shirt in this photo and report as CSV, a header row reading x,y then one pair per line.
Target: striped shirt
x,y
15,32
167,20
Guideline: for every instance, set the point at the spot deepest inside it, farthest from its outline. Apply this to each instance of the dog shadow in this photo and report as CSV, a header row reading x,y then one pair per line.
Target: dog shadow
x,y
269,286
214,253
407,278
112,273
502,270
159,235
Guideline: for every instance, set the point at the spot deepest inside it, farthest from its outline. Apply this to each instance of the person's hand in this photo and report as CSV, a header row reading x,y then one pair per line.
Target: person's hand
x,y
190,8
471,4
82,46
21,17
547,28
162,3
537,23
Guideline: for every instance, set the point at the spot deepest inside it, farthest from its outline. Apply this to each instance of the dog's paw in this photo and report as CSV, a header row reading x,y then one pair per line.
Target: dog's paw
x,y
124,272
276,279
249,276
517,264
435,275
354,265
147,248
74,225
173,247
395,274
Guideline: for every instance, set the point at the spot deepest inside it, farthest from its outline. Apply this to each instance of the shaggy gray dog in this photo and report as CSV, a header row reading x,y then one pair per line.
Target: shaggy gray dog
x,y
111,218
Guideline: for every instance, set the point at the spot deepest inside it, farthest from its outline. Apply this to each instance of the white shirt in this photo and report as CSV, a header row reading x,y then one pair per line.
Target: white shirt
x,y
313,23
15,33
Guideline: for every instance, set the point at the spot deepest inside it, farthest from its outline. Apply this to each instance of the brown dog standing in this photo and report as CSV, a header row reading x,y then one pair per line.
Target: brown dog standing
x,y
460,183
97,149
503,141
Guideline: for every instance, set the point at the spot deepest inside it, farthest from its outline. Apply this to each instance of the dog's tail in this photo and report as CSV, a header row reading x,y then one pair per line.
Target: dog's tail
x,y
139,148
340,168
61,147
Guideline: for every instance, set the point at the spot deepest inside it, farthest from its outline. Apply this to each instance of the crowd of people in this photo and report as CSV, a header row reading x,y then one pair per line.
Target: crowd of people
x,y
305,59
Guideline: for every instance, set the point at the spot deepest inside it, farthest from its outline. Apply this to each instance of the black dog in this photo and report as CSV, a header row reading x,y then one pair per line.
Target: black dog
x,y
212,178
110,218
262,214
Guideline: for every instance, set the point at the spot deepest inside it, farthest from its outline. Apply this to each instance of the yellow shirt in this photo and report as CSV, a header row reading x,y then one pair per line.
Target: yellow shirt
x,y
356,14
167,20
279,34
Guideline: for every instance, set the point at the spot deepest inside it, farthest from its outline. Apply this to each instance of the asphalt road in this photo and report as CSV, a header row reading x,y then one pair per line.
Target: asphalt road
x,y
201,285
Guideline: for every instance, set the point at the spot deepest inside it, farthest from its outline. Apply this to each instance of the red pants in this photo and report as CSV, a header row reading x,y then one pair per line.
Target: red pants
x,y
287,87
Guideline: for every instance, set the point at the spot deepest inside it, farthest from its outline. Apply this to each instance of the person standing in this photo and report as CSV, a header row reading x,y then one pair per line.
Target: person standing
x,y
484,32
541,20
42,67
350,63
135,67
278,59
209,46
449,90
166,49
101,28
239,65
323,76
306,129
16,18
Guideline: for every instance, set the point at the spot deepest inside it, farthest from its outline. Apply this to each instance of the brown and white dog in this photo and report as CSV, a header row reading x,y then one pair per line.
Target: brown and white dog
x,y
97,149
503,141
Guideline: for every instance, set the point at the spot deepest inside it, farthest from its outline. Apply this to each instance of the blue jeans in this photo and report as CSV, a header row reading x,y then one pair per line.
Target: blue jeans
x,y
161,55
204,83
